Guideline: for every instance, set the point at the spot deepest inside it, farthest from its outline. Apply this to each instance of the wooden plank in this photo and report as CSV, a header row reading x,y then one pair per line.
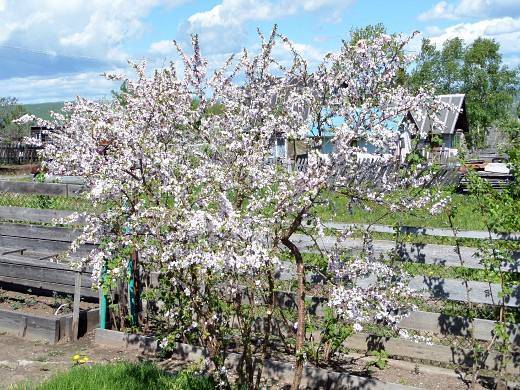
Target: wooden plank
x,y
75,310
47,257
428,254
32,326
39,263
22,330
25,214
41,188
429,322
430,287
50,329
438,232
441,324
88,321
420,351
42,245
40,232
454,290
50,272
444,255
65,179
45,285
21,250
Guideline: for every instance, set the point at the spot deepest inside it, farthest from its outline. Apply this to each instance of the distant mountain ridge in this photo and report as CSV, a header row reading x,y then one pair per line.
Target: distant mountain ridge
x,y
43,110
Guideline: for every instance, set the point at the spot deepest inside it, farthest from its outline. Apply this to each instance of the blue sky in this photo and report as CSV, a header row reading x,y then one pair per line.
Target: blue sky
x,y
54,50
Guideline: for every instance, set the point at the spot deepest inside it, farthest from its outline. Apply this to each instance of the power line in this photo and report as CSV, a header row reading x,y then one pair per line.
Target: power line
x,y
48,53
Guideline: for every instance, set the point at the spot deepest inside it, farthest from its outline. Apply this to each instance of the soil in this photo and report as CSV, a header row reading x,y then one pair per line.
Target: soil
x,y
17,169
407,373
23,360
39,305
397,372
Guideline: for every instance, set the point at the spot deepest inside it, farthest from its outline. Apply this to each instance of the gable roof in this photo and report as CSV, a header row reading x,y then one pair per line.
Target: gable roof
x,y
448,117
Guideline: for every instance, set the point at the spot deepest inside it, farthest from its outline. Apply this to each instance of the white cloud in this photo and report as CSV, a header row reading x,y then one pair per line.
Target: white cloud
x,y
162,47
472,9
236,12
506,31
224,28
95,28
309,52
60,88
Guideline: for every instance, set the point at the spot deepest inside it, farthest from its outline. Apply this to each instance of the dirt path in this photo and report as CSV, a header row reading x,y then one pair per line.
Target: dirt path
x,y
22,360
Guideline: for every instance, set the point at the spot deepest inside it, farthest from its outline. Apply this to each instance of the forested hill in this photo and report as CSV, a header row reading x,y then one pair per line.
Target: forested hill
x,y
42,110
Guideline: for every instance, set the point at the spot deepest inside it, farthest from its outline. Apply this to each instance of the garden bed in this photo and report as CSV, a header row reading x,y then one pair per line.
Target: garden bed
x,y
354,371
39,305
32,316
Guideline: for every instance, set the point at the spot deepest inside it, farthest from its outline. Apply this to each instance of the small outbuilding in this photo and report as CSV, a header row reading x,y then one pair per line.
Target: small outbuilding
x,y
41,133
455,126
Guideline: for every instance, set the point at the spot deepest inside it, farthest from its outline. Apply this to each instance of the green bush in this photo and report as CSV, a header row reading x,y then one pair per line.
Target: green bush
x,y
122,376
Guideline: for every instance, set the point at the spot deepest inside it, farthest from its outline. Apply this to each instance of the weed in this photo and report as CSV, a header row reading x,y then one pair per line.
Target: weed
x,y
380,361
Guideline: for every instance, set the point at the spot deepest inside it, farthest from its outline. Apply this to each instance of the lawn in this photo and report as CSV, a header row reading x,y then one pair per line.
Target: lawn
x,y
337,209
121,376
45,202
332,209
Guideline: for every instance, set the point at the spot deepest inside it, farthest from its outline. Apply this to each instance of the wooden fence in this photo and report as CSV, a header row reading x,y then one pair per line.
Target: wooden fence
x,y
18,154
26,250
35,188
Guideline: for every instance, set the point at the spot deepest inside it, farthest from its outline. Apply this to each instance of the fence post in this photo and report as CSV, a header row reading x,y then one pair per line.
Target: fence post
x,y
102,301
133,288
75,311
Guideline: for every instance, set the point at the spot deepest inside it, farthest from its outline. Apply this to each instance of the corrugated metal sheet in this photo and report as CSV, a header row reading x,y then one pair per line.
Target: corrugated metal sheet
x,y
447,117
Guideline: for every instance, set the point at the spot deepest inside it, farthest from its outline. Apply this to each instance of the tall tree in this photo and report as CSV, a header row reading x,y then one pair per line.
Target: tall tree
x,y
475,70
368,32
194,194
9,111
394,49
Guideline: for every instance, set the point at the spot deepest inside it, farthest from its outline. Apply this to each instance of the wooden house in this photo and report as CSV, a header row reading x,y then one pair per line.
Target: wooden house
x,y
41,133
446,139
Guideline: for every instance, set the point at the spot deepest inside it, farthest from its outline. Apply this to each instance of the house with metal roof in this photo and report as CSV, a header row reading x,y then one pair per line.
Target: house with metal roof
x,y
441,140
455,124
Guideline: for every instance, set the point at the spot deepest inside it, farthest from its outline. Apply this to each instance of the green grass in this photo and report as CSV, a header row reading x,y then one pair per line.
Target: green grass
x,y
337,209
425,240
45,202
121,376
419,269
478,275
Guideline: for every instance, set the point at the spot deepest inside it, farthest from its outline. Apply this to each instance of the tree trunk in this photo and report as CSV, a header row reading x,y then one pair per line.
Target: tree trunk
x,y
300,302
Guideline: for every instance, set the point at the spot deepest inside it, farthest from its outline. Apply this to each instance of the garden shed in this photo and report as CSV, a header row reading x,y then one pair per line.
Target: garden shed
x,y
455,125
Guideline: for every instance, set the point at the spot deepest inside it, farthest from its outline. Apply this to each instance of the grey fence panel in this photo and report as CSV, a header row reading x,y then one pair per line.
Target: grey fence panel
x,y
442,324
41,188
444,255
24,214
437,232
39,232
